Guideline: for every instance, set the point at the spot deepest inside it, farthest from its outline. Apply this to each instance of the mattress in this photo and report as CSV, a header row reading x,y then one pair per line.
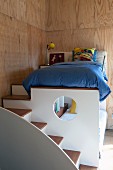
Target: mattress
x,y
102,127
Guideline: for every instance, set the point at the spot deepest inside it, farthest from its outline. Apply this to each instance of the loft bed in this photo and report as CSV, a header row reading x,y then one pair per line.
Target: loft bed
x,y
76,74
52,83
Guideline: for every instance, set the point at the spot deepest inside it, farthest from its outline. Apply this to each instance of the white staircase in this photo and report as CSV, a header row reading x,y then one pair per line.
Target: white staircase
x,y
21,104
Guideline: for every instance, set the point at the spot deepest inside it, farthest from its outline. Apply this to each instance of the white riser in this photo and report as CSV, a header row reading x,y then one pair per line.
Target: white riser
x,y
27,117
18,90
20,104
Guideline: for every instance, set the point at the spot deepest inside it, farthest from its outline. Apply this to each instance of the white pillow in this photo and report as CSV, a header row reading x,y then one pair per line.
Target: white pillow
x,y
100,59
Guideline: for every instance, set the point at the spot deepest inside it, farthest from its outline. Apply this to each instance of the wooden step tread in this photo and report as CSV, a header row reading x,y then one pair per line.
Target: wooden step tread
x,y
85,167
56,139
20,112
74,155
40,125
17,97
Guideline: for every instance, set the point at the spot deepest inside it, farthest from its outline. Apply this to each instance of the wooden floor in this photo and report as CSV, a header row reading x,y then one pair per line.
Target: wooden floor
x,y
106,163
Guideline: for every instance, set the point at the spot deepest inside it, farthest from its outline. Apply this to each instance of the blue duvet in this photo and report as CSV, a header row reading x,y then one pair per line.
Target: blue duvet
x,y
70,74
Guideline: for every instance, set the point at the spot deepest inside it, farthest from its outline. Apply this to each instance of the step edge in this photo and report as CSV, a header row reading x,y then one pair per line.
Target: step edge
x,y
45,124
8,97
87,166
28,111
50,136
77,152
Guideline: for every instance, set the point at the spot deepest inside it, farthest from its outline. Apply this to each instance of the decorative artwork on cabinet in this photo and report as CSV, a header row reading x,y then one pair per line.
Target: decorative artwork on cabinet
x,y
56,58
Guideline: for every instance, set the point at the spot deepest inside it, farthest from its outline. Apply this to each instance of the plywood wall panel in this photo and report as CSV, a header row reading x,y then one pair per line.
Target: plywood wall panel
x,y
68,39
85,14
36,47
21,10
99,39
84,38
16,60
61,14
22,40
14,41
54,15
73,14
4,7
103,13
58,38
28,11
12,7
70,14
36,13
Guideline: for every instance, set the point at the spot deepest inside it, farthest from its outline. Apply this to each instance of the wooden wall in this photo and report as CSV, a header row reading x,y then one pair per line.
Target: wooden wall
x,y
22,40
25,25
83,23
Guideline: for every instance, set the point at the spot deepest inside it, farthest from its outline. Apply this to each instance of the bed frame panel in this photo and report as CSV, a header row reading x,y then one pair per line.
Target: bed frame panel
x,y
79,134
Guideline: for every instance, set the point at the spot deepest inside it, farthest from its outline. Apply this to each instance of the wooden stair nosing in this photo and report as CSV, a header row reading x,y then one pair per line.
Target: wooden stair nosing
x,y
86,167
56,139
40,125
17,97
74,155
20,112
